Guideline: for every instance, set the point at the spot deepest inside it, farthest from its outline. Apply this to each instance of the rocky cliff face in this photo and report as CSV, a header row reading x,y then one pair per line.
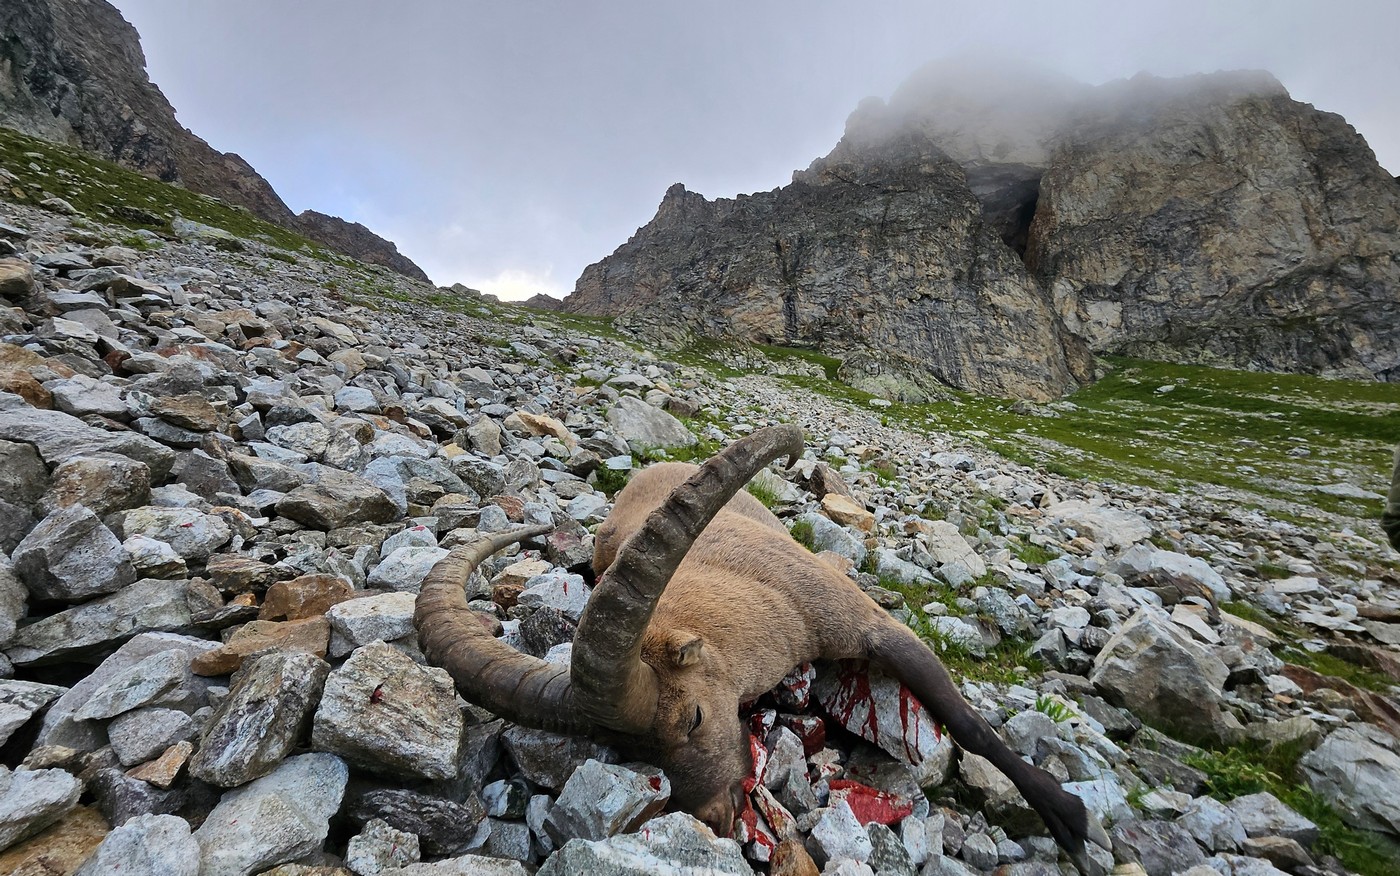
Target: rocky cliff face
x,y
357,241
1216,219
877,253
1208,219
72,71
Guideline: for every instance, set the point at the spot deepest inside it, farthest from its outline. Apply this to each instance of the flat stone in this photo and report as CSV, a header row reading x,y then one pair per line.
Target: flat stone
x,y
59,849
337,501
141,734
22,700
280,817
160,678
164,770
304,597
269,703
146,606
311,635
853,695
1359,777
385,713
672,845
1263,814
644,426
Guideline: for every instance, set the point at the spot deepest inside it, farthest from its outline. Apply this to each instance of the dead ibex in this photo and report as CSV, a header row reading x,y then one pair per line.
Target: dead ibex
x,y
704,602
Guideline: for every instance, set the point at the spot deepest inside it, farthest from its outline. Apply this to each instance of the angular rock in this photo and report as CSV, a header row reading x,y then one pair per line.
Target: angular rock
x,y
101,482
1154,669
1263,814
280,817
60,726
192,534
1163,848
337,500
1171,575
405,568
881,710
1109,527
310,635
672,845
643,426
269,704
385,713
146,606
160,678
384,617
443,827
601,800
31,800
304,597
549,759
141,734
147,845
22,700
1357,776
71,556
380,847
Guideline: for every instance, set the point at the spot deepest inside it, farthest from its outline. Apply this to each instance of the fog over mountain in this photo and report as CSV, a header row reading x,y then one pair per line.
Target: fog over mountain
x,y
507,146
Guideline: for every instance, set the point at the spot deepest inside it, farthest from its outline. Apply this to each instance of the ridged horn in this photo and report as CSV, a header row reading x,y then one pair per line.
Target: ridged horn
x,y
612,686
487,671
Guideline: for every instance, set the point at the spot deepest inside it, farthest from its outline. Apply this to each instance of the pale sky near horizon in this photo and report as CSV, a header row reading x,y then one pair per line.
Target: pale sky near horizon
x,y
508,145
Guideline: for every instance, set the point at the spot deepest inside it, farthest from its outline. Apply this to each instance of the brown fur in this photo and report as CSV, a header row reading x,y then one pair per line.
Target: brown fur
x,y
760,604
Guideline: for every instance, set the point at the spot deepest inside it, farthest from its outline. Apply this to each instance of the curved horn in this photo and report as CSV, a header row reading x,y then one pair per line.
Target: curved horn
x,y
612,686
487,671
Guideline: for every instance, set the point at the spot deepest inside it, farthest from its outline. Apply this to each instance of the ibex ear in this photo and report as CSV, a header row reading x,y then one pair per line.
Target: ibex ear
x,y
683,647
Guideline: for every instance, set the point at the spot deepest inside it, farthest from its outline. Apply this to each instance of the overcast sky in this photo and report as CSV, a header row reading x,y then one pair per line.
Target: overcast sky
x,y
508,145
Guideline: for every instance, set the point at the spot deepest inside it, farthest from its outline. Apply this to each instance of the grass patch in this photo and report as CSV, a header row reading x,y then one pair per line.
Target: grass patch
x,y
610,481
803,533
1249,612
1233,434
1034,554
763,493
1243,769
110,193
1330,664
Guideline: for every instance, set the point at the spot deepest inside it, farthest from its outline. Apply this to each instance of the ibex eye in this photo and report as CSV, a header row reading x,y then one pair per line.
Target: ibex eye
x,y
695,725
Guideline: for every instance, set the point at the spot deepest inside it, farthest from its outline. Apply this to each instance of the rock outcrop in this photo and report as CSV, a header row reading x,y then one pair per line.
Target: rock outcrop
x,y
877,253
72,71
1216,219
1207,219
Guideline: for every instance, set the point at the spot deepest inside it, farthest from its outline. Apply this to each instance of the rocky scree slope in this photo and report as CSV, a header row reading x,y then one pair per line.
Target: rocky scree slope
x,y
223,482
72,71
1210,219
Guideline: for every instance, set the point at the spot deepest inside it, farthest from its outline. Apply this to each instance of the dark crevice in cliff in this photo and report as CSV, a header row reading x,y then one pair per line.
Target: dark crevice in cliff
x,y
789,277
1009,194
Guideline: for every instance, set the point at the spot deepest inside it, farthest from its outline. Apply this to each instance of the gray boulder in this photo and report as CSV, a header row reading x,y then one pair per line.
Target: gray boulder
x,y
644,426
672,845
147,845
1359,777
70,556
280,817
1153,668
31,800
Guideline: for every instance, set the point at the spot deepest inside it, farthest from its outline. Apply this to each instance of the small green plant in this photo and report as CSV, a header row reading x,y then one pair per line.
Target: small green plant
x,y
1056,710
1034,554
1251,768
803,533
610,481
763,493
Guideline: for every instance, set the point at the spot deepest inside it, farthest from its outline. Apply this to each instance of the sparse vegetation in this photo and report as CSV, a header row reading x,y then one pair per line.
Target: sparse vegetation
x,y
1053,708
803,533
1249,769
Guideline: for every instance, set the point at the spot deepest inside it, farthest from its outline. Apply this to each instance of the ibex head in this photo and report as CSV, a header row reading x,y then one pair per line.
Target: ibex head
x,y
664,691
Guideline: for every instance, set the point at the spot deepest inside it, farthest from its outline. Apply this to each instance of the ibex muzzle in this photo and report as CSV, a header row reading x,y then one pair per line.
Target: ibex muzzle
x,y
671,642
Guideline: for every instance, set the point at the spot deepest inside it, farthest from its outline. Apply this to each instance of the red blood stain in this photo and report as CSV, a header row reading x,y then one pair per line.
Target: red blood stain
x,y
655,782
870,804
377,696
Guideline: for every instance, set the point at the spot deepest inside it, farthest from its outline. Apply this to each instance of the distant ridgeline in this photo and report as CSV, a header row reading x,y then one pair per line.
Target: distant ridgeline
x,y
993,239
72,72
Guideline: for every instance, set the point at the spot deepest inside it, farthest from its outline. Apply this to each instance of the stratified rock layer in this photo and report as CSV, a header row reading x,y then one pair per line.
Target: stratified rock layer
x,y
877,253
